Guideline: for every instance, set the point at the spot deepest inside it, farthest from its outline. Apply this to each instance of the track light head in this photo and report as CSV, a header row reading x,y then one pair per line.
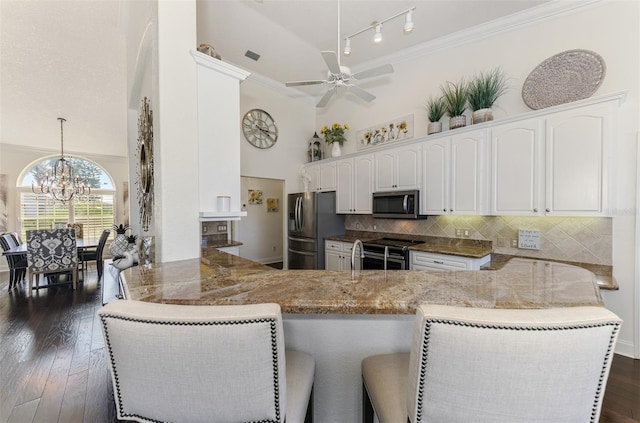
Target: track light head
x,y
347,47
378,35
408,22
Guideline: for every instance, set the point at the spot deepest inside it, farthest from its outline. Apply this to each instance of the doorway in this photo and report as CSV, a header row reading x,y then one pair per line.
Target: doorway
x,y
261,231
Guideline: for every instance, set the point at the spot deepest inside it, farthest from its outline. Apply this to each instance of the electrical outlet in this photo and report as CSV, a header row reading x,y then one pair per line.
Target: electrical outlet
x,y
466,233
458,232
357,226
375,227
222,228
514,243
205,229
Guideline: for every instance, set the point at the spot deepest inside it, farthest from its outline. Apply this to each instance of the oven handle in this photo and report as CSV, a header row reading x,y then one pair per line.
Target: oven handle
x,y
393,259
386,256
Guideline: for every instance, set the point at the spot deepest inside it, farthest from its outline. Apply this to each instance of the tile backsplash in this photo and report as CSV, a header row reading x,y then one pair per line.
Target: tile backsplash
x,y
576,239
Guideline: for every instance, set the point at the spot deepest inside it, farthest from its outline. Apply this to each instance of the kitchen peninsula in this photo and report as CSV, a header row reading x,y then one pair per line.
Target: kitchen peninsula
x,y
342,317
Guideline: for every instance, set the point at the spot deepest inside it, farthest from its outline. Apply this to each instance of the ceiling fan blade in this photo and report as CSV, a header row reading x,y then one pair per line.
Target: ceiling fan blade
x,y
331,59
365,95
298,83
380,70
325,98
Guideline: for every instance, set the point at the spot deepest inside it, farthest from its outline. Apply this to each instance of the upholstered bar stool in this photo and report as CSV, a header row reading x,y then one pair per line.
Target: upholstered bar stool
x,y
495,365
185,363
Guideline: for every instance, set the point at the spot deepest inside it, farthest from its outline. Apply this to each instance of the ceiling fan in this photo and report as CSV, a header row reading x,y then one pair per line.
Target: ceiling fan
x,y
341,76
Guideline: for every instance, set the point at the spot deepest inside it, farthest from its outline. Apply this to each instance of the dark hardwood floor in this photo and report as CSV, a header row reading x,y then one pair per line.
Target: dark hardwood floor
x,y
52,361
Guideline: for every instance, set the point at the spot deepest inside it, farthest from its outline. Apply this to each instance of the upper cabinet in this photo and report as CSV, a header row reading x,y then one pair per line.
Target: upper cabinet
x,y
398,169
322,176
549,162
455,174
517,172
554,165
577,161
354,188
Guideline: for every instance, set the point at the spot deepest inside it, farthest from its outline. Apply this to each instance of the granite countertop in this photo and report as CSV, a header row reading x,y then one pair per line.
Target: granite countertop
x,y
472,248
219,278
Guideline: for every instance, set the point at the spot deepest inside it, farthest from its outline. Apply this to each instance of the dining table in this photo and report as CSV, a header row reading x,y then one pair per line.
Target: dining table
x,y
83,245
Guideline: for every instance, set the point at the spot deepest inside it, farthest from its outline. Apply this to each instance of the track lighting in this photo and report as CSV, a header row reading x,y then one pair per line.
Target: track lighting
x,y
347,47
408,22
377,26
378,36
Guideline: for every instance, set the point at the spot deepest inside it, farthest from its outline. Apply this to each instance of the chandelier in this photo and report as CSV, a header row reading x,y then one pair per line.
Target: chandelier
x,y
61,184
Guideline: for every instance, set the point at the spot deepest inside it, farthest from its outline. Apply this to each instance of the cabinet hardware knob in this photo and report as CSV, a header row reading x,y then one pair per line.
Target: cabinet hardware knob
x,y
535,210
444,210
548,210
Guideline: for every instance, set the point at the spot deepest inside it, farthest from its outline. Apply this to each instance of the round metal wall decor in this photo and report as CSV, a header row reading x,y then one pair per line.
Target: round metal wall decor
x,y
568,76
144,165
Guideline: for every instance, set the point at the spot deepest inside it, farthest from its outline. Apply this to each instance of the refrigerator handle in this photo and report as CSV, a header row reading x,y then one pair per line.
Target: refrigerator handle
x,y
297,214
301,214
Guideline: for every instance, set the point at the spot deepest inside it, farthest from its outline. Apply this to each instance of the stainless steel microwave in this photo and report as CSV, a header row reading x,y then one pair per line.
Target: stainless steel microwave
x,y
397,205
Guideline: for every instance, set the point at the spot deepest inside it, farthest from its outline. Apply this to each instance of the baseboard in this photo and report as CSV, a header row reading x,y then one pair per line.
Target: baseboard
x,y
625,348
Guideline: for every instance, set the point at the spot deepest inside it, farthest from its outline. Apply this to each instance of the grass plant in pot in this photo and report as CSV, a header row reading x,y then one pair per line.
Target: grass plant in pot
x,y
454,97
435,111
483,91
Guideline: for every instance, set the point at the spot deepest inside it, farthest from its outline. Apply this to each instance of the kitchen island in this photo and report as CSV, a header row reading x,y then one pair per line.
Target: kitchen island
x,y
341,317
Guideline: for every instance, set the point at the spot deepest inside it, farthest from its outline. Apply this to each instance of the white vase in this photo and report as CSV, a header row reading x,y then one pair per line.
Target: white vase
x,y
481,115
434,127
335,150
457,122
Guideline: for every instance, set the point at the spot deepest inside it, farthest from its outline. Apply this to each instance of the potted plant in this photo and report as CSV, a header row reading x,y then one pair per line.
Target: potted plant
x,y
335,137
454,97
484,89
435,111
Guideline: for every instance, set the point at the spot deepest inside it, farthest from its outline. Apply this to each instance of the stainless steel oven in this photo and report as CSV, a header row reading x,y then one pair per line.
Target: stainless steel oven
x,y
386,253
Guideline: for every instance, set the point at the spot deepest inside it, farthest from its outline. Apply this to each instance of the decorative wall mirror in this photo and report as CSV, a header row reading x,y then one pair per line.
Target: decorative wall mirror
x,y
144,165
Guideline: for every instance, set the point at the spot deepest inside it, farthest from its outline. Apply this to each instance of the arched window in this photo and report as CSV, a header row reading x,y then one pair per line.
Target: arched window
x,y
95,211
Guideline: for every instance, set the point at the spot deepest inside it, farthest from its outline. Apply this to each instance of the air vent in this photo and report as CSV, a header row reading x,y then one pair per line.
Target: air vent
x,y
252,55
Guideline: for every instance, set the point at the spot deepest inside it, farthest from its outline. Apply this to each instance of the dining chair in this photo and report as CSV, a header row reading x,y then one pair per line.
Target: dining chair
x,y
204,364
95,254
495,365
17,263
51,252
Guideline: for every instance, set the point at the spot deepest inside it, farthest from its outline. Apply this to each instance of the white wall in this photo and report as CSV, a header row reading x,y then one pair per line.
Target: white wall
x,y
295,118
261,231
617,40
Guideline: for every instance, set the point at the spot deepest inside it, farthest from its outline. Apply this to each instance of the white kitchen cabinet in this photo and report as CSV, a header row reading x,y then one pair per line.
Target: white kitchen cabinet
x,y
337,255
322,176
354,185
554,165
431,261
398,169
577,160
517,174
455,177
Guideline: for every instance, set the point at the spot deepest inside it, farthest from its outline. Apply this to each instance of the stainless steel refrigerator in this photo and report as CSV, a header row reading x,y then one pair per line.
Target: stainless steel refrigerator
x,y
312,217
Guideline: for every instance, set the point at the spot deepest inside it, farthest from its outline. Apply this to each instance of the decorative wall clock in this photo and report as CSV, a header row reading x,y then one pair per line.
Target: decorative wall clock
x,y
259,128
145,164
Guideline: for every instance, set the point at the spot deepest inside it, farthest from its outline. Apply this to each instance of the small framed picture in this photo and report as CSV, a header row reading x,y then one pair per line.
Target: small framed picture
x,y
272,205
255,196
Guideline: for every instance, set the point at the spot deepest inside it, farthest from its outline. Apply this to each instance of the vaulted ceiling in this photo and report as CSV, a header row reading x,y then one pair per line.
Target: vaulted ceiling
x,y
67,58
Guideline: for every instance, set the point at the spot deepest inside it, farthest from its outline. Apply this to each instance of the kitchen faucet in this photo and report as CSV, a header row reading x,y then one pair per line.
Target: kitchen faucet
x,y
353,254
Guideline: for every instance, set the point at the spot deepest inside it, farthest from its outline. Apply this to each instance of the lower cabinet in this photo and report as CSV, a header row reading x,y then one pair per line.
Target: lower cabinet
x,y
337,255
433,261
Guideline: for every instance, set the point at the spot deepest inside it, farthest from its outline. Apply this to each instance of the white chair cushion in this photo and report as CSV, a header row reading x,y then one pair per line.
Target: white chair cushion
x,y
385,379
300,374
